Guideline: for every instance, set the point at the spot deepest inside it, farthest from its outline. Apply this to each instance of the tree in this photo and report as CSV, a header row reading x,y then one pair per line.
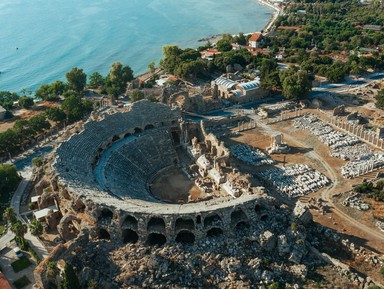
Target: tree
x,y
37,162
38,123
92,284
55,114
119,75
19,229
70,279
45,92
295,83
9,215
36,227
96,80
137,95
73,107
9,178
26,102
76,79
224,45
380,100
58,88
152,68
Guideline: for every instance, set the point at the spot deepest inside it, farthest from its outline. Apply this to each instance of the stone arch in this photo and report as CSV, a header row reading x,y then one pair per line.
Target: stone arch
x,y
237,216
127,135
264,217
103,234
105,214
156,239
242,226
184,223
258,208
185,237
115,138
215,232
149,126
130,222
198,219
138,130
129,236
212,220
156,224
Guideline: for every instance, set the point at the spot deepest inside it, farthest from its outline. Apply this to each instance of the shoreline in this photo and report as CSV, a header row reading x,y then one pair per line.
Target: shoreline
x,y
266,28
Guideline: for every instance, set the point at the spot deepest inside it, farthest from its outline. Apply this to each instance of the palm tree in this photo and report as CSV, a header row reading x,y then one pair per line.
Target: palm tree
x,y
9,215
36,227
19,229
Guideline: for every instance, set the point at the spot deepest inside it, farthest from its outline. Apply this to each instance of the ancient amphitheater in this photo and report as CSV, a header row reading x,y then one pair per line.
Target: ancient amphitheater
x,y
105,172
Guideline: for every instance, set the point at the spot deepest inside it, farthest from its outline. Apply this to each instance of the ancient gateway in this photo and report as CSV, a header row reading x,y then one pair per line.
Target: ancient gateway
x,y
105,172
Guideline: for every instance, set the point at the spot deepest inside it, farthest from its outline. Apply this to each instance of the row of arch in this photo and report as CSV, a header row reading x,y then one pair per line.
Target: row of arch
x,y
159,239
184,227
158,224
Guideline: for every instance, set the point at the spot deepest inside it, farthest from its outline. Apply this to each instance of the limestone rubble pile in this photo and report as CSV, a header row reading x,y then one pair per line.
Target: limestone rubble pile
x,y
294,181
356,202
237,261
362,159
251,155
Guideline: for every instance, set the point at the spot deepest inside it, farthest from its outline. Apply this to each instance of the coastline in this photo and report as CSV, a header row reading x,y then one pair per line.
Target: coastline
x,y
275,14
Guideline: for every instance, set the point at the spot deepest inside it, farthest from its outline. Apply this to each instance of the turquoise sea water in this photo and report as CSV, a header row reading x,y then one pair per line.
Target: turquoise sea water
x,y
41,40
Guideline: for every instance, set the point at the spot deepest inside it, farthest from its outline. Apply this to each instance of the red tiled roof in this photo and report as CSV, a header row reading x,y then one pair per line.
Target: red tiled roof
x,y
4,282
255,37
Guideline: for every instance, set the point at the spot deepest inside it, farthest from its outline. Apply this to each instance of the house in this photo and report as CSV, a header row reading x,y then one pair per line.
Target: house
x,y
2,112
255,40
209,53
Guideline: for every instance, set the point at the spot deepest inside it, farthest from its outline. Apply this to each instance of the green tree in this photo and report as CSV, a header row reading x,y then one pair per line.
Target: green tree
x,y
96,80
76,79
58,88
296,84
46,93
26,102
137,95
19,229
73,107
92,284
70,279
380,99
37,162
152,67
55,114
224,45
38,123
36,227
7,98
119,75
52,270
9,215
9,178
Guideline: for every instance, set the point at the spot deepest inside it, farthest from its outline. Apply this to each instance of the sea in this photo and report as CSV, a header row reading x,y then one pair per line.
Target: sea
x,y
41,40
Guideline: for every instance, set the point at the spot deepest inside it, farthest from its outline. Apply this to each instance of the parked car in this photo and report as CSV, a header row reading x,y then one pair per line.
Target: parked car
x,y
18,252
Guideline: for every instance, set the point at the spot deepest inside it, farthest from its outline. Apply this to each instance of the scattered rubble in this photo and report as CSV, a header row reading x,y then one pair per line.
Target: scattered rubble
x,y
295,180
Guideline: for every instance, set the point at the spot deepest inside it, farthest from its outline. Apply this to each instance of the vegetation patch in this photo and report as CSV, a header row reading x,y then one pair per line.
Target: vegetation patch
x,y
20,264
21,282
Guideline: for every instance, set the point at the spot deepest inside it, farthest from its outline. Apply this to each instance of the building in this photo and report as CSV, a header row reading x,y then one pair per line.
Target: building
x,y
2,112
209,53
237,91
255,40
